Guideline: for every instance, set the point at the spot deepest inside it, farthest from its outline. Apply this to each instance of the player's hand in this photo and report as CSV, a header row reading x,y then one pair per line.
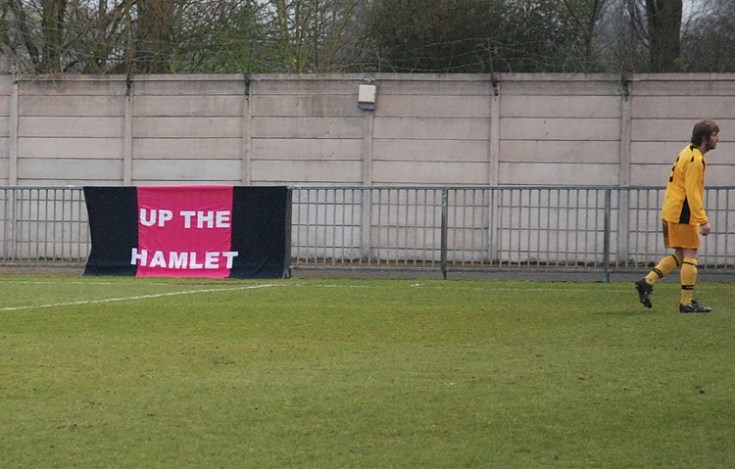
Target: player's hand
x,y
705,229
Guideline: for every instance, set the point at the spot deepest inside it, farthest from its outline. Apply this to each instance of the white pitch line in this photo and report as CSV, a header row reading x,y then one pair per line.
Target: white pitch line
x,y
267,285
48,282
135,298
490,289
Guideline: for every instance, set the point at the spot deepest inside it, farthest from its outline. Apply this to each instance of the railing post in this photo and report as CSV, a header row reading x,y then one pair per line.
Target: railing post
x,y
445,231
13,220
13,133
289,223
366,208
8,226
606,236
127,140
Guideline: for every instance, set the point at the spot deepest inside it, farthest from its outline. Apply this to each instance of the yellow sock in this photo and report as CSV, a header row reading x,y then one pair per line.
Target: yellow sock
x,y
688,279
662,269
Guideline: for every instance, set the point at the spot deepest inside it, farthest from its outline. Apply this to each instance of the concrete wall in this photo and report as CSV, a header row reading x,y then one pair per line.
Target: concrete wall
x,y
307,129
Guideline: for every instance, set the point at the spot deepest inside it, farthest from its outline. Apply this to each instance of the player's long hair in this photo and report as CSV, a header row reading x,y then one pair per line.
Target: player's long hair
x,y
702,129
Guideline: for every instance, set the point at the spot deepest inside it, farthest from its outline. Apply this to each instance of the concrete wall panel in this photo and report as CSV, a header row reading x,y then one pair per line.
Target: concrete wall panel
x,y
74,86
560,151
76,148
656,152
431,128
310,172
4,105
51,127
682,107
4,159
187,127
426,129
560,85
434,85
305,106
429,172
71,106
58,169
311,85
433,106
662,130
541,129
189,106
188,171
308,149
187,148
430,150
589,174
684,84
587,107
308,127
173,85
650,174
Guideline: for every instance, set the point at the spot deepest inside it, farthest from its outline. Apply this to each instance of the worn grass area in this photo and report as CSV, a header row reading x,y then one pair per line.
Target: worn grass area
x,y
125,372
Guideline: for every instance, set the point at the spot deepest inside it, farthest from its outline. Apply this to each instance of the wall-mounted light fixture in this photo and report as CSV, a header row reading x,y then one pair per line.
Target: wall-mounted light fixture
x,y
367,94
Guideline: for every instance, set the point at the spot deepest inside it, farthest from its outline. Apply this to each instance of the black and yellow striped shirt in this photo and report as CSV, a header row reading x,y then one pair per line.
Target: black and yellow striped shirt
x,y
685,189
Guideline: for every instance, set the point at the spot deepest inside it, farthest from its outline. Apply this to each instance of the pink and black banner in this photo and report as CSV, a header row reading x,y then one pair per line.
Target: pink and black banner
x,y
189,231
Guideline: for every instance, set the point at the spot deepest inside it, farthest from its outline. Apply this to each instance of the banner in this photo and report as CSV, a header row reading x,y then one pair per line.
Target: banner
x,y
188,231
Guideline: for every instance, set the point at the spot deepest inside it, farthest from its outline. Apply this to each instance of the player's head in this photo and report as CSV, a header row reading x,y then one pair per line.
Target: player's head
x,y
703,131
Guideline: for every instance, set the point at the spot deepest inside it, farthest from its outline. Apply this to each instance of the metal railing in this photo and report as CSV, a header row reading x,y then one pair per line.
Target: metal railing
x,y
549,229
44,226
546,229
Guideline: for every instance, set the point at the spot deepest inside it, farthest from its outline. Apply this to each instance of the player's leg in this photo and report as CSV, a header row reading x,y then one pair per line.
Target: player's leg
x,y
665,266
687,304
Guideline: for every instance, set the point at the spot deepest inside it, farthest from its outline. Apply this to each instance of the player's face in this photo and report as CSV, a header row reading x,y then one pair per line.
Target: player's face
x,y
710,143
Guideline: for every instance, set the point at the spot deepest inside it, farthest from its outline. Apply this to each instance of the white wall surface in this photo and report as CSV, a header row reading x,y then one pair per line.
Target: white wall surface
x,y
307,129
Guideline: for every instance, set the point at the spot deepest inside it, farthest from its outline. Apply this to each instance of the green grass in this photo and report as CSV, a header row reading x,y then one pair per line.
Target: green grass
x,y
125,372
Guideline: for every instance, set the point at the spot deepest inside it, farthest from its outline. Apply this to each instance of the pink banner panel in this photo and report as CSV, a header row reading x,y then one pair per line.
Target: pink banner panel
x,y
184,231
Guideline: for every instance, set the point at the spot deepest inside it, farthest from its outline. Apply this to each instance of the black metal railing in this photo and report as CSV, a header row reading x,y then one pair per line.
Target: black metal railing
x,y
552,229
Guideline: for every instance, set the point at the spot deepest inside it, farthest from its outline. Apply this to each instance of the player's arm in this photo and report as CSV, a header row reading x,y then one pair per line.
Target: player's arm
x,y
694,183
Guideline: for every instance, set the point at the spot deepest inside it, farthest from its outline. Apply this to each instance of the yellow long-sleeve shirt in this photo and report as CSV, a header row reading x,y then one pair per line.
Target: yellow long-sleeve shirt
x,y
685,189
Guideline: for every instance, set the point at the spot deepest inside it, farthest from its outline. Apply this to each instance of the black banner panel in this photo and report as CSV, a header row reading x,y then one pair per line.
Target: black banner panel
x,y
188,231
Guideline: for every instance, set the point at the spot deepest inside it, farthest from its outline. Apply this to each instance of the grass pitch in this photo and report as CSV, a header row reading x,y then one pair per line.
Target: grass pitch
x,y
126,372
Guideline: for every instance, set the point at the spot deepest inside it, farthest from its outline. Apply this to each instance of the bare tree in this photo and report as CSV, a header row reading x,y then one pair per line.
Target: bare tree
x,y
587,16
481,35
52,33
55,36
21,39
98,37
311,33
622,38
224,36
708,44
664,29
155,36
645,35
